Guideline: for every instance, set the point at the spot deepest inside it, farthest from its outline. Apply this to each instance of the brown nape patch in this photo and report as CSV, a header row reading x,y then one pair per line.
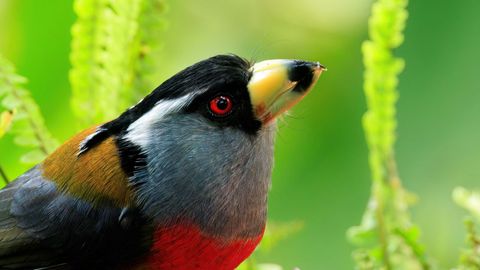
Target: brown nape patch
x,y
95,176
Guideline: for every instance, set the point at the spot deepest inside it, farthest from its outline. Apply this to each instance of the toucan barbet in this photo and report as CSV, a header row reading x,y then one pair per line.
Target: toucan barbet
x,y
178,181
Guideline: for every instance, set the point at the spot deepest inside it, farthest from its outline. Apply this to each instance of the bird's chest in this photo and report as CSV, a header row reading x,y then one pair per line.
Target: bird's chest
x,y
186,247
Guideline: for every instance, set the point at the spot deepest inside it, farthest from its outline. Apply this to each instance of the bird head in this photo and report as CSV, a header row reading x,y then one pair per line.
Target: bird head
x,y
200,146
226,91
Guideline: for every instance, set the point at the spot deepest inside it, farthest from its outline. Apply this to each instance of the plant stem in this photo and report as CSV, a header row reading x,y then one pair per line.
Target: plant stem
x,y
382,228
4,175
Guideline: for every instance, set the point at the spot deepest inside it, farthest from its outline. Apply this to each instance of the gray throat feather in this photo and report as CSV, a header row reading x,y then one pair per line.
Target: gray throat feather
x,y
215,178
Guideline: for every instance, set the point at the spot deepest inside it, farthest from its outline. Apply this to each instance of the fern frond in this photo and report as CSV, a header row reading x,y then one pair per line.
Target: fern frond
x,y
28,125
111,46
101,57
387,237
151,24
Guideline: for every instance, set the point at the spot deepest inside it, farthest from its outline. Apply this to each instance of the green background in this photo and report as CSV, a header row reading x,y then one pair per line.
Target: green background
x,y
321,174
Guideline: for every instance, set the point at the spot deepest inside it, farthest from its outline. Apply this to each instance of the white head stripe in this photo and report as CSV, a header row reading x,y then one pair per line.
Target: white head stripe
x,y
139,131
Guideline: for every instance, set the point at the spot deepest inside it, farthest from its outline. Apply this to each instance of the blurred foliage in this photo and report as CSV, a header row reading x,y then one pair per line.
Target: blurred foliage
x,y
23,113
111,55
470,201
321,173
274,233
6,119
151,23
387,238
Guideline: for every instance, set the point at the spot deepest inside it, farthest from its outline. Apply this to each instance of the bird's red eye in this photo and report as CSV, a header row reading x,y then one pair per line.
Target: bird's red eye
x,y
221,105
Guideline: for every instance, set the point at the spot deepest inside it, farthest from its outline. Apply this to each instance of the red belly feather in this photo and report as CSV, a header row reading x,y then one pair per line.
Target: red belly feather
x,y
187,248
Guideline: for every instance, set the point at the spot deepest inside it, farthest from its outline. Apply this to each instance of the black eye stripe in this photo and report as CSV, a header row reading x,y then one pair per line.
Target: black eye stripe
x,y
231,83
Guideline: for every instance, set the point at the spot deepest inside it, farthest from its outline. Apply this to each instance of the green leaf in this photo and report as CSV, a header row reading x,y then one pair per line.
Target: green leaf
x,y
362,236
26,125
276,232
469,200
11,102
26,139
33,157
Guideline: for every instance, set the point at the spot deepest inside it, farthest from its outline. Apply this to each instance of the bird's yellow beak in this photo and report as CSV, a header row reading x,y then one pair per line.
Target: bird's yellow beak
x,y
277,85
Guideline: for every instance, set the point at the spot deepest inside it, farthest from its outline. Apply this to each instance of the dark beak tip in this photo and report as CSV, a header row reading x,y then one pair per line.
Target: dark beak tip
x,y
317,66
321,67
300,70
